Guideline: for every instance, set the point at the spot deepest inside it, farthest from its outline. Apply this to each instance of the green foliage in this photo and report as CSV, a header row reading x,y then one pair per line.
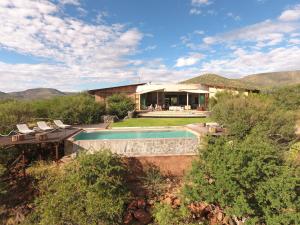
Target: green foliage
x,y
164,214
287,97
153,181
248,179
89,190
241,114
119,105
13,112
75,109
2,184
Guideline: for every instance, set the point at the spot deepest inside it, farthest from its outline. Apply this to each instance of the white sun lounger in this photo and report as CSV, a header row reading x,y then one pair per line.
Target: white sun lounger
x,y
23,129
60,124
43,126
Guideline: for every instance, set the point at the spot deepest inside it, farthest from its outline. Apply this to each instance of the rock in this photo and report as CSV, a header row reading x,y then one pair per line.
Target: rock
x,y
176,202
168,201
220,216
141,203
133,205
151,202
128,218
142,216
226,220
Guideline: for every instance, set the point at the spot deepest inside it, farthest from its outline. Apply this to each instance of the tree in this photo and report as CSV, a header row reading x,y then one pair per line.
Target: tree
x,y
243,114
119,105
89,190
248,179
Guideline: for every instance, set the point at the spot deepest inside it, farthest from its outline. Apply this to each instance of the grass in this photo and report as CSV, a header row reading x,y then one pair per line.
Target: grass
x,y
150,122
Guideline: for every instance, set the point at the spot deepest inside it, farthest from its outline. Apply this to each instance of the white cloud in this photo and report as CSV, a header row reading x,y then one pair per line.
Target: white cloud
x,y
70,2
291,14
190,60
201,2
195,11
294,41
150,47
79,49
245,62
266,31
235,17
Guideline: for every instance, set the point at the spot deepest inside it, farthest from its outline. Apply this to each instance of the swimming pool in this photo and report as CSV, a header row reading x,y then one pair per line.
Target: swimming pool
x,y
113,135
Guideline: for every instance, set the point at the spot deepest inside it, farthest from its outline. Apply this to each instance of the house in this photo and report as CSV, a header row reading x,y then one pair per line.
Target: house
x,y
175,97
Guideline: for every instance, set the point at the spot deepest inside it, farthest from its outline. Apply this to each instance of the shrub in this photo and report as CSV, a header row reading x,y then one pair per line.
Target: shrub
x,y
119,105
246,178
75,109
13,112
287,97
241,114
164,214
153,181
89,190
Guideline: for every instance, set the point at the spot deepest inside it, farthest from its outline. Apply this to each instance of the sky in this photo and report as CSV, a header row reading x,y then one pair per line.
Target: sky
x,y
77,45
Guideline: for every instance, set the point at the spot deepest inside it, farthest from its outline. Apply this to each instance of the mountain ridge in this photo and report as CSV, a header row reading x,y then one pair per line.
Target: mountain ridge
x,y
253,81
33,94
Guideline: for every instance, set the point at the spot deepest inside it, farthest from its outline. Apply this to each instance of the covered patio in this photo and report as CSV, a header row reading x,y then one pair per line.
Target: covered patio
x,y
172,98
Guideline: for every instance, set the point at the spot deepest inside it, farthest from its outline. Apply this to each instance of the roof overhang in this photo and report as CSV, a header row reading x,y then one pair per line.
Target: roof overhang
x,y
196,91
150,90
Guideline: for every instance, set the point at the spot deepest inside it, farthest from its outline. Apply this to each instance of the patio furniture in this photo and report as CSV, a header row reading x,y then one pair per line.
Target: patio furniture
x,y
43,126
187,107
23,129
60,124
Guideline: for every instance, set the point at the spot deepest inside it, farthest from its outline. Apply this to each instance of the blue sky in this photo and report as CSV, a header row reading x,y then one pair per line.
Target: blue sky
x,y
85,44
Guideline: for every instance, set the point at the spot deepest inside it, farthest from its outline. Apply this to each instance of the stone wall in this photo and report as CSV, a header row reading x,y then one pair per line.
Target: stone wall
x,y
140,147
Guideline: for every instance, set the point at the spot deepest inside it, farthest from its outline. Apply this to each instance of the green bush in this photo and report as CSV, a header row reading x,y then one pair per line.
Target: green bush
x,y
164,214
74,109
241,114
153,181
287,97
89,190
13,112
119,105
248,179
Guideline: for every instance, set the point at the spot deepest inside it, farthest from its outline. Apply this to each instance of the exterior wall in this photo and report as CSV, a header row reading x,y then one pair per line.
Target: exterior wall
x,y
214,90
140,147
129,91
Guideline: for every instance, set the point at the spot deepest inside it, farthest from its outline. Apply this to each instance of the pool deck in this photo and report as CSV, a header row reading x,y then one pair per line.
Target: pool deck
x,y
56,136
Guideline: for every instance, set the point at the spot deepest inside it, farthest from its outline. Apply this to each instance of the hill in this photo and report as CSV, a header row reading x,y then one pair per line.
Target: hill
x,y
32,94
2,94
275,79
255,81
217,80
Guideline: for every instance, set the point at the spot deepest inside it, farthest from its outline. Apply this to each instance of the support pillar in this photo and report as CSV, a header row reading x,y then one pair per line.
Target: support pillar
x,y
187,100
56,152
23,163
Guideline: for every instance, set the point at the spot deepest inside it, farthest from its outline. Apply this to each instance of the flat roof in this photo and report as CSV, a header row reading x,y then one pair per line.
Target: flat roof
x,y
120,86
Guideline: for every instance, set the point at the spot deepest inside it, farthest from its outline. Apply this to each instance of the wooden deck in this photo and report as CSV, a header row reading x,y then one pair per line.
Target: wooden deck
x,y
57,136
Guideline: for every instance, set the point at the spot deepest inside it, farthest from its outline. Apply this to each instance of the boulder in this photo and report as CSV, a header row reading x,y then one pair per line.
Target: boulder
x,y
133,205
141,203
142,216
128,218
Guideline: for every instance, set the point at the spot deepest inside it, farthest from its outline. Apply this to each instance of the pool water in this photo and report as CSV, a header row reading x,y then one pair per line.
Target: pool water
x,y
108,135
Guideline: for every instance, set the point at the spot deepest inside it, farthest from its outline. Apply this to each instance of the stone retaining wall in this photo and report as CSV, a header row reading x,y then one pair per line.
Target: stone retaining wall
x,y
139,147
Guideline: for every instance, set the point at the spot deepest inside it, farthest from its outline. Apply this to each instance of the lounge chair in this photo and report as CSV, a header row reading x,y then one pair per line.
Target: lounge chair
x,y
60,124
23,129
43,126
